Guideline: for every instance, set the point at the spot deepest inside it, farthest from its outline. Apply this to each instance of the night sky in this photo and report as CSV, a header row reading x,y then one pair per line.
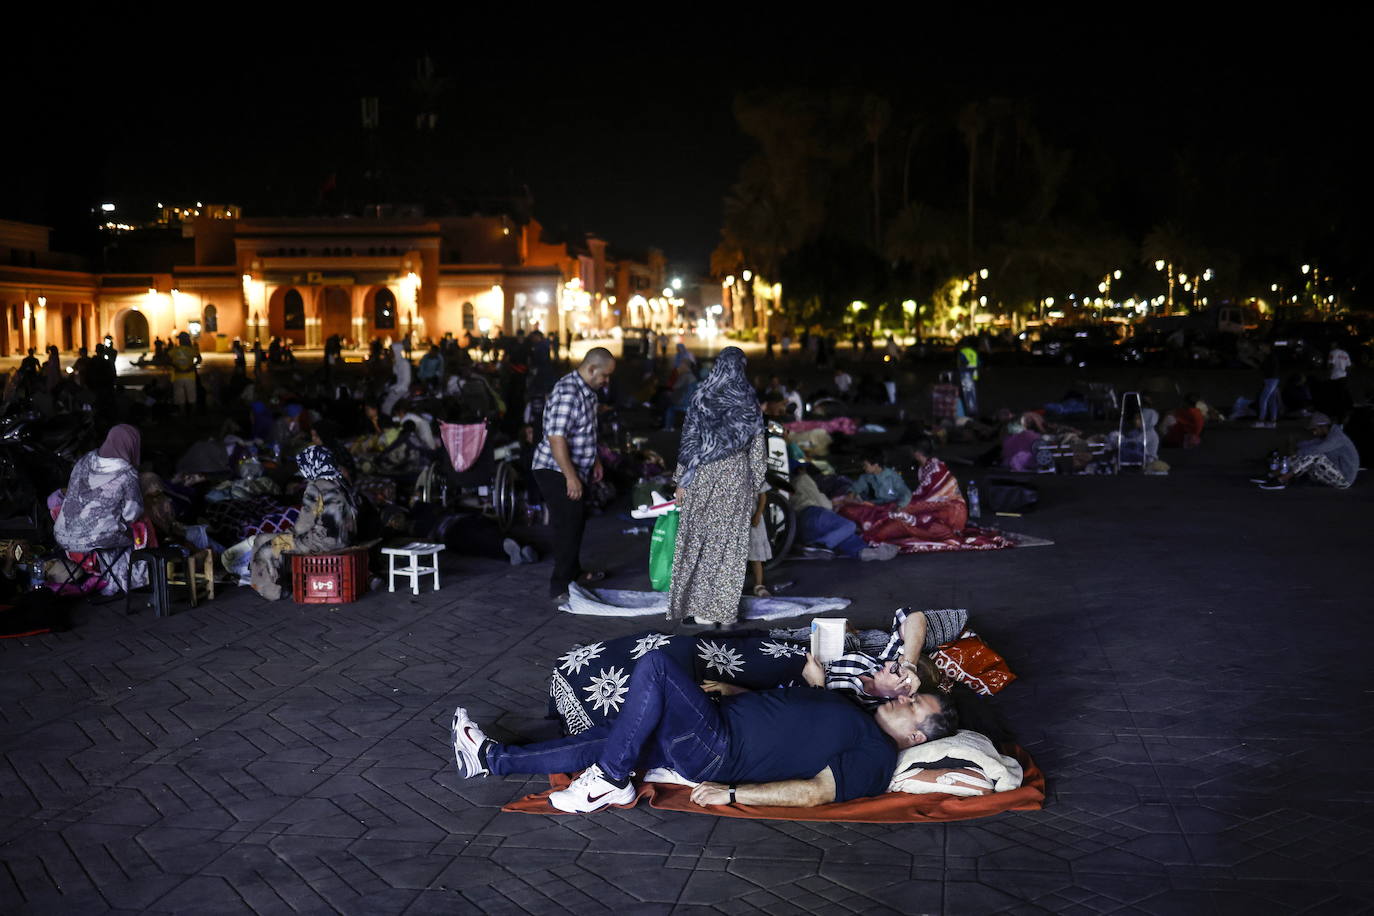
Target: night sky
x,y
634,137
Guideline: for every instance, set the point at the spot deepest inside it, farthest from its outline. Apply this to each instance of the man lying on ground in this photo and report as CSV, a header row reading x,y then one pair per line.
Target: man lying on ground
x,y
792,747
819,524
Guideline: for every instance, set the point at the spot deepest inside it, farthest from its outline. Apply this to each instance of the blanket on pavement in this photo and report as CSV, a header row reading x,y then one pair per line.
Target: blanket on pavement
x,y
889,808
616,602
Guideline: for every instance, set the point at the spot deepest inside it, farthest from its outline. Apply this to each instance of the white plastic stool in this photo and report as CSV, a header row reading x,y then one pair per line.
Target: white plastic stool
x,y
413,551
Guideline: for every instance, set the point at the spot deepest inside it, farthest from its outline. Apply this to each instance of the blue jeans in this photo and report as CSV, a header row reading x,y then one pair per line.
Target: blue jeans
x,y
829,529
1269,401
667,721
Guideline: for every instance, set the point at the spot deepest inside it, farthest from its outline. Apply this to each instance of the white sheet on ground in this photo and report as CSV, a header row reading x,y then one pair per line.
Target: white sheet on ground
x,y
617,602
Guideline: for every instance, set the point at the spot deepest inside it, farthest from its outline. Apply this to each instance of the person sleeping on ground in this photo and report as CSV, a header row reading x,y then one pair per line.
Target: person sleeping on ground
x,y
790,747
588,684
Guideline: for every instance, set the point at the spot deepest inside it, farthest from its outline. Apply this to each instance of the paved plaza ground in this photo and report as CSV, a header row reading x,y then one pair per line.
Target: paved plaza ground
x,y
1193,680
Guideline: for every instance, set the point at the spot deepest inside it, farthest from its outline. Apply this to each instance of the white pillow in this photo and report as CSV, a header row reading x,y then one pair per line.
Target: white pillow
x,y
966,745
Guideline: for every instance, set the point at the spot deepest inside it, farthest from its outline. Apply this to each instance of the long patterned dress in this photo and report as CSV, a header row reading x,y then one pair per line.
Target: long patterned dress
x,y
712,551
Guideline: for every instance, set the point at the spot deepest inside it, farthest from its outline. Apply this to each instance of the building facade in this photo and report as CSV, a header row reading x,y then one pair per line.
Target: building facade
x,y
304,280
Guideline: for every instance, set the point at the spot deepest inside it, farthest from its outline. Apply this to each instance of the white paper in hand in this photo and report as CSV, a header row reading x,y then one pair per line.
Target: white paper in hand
x,y
827,638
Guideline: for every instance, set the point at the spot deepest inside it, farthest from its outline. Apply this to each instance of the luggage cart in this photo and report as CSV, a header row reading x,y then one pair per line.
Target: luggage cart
x,y
1133,461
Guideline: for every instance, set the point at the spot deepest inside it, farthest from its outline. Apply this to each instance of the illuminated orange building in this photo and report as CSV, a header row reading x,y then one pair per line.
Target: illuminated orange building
x,y
307,279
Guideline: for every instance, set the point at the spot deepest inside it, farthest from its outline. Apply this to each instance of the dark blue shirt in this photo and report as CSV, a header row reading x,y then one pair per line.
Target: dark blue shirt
x,y
795,732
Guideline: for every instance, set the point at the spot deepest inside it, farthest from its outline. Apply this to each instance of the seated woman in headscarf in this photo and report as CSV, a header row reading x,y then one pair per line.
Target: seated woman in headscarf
x,y
328,521
935,512
100,506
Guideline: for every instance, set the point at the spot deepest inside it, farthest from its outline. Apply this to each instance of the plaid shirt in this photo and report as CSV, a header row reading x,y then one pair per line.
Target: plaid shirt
x,y
570,412
942,627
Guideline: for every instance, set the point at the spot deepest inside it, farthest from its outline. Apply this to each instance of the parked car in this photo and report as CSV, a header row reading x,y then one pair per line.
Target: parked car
x,y
1076,345
1304,344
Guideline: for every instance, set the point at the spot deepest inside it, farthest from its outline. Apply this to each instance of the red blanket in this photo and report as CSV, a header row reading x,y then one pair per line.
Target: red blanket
x,y
891,808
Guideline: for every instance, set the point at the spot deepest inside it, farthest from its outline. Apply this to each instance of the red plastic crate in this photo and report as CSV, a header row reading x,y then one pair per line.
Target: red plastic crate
x,y
329,578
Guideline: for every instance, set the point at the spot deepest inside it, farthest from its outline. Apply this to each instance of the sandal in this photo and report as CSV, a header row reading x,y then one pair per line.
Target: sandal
x,y
761,591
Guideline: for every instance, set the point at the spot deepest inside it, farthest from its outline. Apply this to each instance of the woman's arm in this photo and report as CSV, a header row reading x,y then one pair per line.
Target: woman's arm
x,y
131,507
311,501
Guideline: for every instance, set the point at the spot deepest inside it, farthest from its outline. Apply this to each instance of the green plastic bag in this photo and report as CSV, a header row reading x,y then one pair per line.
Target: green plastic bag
x,y
661,547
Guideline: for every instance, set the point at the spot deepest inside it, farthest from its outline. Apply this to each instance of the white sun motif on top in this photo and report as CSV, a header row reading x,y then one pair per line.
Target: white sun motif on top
x,y
722,658
781,650
649,643
580,657
607,691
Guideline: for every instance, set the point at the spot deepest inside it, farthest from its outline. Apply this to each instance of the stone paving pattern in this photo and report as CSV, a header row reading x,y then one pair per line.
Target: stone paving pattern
x,y
1193,680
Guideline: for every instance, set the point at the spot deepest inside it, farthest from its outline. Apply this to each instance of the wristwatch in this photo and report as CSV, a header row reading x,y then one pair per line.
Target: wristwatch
x,y
732,792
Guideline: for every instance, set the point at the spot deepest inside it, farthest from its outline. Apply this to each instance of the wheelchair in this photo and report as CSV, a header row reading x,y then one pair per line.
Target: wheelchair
x,y
489,480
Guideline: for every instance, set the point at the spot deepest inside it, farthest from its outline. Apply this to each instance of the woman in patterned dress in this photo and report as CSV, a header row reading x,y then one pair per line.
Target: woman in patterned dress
x,y
720,473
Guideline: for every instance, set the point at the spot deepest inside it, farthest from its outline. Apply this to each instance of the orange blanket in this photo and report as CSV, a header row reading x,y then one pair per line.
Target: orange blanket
x,y
893,807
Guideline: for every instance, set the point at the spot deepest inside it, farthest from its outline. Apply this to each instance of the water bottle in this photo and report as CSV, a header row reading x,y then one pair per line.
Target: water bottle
x,y
974,507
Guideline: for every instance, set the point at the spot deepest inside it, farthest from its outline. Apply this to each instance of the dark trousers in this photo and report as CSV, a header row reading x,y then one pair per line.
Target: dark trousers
x,y
667,720
568,518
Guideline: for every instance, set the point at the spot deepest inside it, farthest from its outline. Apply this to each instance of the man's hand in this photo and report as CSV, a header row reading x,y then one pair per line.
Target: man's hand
x,y
758,517
597,471
812,672
679,493
574,486
723,689
711,793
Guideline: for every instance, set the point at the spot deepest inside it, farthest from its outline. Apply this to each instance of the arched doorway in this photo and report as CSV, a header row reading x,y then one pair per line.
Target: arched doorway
x,y
336,313
134,329
384,310
211,325
286,315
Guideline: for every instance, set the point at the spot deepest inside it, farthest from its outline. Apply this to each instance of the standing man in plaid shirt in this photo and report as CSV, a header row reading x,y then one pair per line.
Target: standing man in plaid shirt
x,y
566,460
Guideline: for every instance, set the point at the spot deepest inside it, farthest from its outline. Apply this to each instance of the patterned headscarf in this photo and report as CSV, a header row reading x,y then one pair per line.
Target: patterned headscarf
x,y
317,463
724,417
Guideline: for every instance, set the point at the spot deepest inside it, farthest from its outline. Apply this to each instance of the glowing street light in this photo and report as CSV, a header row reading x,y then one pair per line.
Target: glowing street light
x,y
1116,275
983,273
1159,265
109,208
1305,267
677,283
747,275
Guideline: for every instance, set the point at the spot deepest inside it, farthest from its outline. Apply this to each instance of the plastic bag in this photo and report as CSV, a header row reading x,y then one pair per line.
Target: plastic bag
x,y
662,544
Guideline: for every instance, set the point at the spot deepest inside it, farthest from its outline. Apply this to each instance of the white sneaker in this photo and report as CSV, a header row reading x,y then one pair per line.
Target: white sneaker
x,y
592,791
467,745
512,550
